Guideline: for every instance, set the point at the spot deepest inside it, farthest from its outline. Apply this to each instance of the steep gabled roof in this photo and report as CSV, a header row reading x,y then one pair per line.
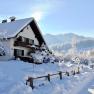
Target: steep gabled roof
x,y
11,29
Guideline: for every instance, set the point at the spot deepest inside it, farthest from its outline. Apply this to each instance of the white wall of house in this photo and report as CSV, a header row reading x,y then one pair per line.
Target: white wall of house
x,y
6,45
26,50
9,49
28,33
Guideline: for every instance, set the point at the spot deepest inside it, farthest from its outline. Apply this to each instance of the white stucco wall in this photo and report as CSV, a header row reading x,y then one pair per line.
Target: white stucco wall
x,y
26,50
28,33
9,48
6,45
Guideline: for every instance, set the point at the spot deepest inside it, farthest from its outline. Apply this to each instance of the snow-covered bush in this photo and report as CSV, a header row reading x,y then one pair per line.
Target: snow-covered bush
x,y
84,61
2,48
43,56
2,51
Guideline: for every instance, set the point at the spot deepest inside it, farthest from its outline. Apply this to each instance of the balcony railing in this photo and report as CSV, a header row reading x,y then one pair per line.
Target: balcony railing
x,y
23,44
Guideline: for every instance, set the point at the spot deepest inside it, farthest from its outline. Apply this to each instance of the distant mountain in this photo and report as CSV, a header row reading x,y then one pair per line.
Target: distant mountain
x,y
63,38
63,42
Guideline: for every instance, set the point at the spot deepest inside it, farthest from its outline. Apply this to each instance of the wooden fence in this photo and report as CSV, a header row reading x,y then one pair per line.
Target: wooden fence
x,y
30,80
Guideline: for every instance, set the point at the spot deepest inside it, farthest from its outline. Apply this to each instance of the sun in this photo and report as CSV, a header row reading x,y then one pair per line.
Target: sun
x,y
37,15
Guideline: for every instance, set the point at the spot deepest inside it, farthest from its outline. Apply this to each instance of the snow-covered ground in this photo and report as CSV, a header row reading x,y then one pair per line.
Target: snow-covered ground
x,y
13,75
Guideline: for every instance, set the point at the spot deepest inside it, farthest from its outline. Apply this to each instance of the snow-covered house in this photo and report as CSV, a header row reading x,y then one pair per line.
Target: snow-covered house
x,y
19,38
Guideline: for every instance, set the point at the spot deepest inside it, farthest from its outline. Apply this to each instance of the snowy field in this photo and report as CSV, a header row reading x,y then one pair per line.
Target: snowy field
x,y
13,75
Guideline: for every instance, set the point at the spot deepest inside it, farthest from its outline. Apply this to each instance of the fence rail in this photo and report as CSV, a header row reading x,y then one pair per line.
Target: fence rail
x,y
30,80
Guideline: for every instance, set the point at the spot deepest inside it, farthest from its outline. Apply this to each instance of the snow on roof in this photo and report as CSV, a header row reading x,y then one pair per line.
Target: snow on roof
x,y
10,29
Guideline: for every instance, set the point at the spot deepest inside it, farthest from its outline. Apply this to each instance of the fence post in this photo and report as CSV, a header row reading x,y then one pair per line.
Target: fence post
x,y
67,73
31,83
60,74
78,70
30,80
48,77
73,72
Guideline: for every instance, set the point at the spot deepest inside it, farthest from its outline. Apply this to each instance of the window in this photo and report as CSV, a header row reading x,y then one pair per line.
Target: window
x,y
18,52
26,40
31,41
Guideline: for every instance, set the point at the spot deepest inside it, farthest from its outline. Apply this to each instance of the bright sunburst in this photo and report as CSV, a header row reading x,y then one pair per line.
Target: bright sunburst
x,y
37,15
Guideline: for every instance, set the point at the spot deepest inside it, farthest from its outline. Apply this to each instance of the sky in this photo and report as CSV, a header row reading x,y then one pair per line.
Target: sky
x,y
53,16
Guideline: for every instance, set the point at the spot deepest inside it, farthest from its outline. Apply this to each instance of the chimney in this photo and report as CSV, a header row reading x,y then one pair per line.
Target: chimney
x,y
4,21
12,18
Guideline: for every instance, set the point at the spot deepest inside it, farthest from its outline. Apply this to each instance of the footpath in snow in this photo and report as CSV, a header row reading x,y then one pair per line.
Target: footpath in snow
x,y
83,85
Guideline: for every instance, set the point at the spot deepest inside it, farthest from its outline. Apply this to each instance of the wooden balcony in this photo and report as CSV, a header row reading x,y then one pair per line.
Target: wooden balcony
x,y
23,44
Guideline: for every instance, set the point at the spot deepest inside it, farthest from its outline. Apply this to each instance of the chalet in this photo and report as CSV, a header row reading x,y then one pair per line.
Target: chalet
x,y
19,38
